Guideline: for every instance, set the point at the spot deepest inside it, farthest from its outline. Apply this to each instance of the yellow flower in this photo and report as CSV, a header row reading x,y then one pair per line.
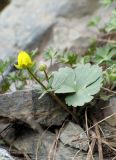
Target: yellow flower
x,y
24,60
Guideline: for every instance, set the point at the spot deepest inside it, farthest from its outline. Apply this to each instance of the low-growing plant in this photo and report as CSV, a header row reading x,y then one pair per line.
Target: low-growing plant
x,y
78,85
80,78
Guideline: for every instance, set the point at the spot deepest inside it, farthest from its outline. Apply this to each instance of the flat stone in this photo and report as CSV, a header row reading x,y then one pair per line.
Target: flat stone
x,y
67,153
74,136
26,106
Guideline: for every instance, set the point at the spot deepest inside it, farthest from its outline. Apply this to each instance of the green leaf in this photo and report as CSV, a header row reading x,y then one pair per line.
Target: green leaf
x,y
110,76
107,2
85,59
81,83
3,66
94,21
50,54
68,58
104,54
63,81
88,80
34,53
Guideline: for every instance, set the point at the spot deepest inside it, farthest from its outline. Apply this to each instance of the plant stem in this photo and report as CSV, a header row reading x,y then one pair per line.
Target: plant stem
x,y
54,96
36,79
46,76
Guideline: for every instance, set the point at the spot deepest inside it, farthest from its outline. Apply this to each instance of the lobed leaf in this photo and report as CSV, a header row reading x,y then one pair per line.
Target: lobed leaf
x,y
81,83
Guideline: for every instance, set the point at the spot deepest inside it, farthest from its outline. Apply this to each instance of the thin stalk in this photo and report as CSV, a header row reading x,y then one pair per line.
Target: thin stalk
x,y
46,76
37,79
54,96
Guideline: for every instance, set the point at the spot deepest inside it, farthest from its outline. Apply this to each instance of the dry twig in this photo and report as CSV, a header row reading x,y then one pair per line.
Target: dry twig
x,y
76,155
108,90
54,145
106,41
100,121
99,140
92,145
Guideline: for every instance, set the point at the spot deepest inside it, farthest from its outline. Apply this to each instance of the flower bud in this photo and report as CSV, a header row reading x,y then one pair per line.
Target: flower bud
x,y
42,67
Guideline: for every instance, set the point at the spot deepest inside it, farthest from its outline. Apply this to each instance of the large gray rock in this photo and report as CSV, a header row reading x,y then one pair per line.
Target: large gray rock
x,y
25,105
74,34
41,147
74,136
30,24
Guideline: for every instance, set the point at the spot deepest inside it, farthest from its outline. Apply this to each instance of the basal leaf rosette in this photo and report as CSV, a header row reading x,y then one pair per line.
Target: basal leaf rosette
x,y
82,83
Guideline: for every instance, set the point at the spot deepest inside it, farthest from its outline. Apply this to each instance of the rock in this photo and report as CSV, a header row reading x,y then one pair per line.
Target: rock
x,y
109,133
67,153
40,146
108,126
73,33
49,112
107,114
4,123
25,29
25,106
69,32
4,155
43,24
74,136
29,25
32,144
110,109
